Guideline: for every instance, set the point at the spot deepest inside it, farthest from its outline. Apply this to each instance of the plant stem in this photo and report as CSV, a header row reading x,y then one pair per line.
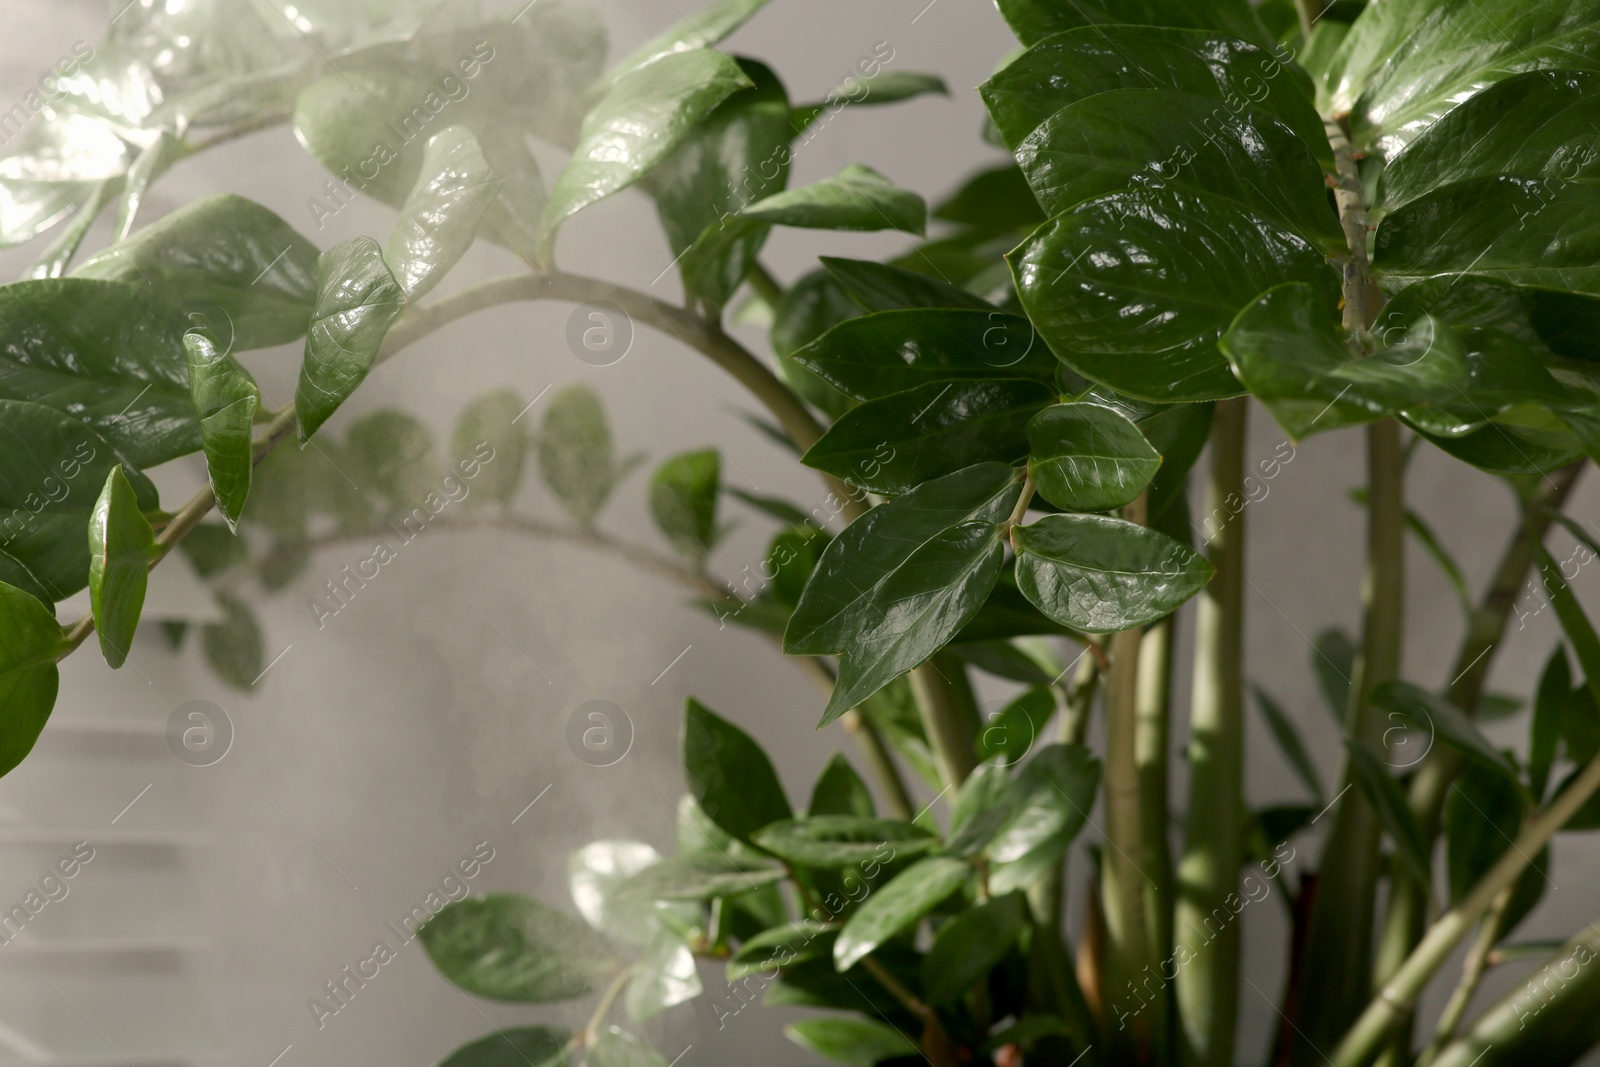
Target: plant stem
x,y
1122,869
882,764
1471,974
1399,995
1337,975
1080,699
1207,988
765,285
943,717
1150,745
607,1001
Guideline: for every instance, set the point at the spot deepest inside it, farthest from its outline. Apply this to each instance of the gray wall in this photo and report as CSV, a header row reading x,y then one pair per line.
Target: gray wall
x,y
426,716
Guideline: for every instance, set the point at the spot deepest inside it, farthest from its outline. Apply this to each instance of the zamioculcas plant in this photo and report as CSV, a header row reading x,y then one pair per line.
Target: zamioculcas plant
x,y
1383,215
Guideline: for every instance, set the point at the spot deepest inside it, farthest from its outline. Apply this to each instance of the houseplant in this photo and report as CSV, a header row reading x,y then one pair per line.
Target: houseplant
x,y
1378,215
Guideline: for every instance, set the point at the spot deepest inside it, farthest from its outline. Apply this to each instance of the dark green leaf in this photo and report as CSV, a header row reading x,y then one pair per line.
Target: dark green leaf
x,y
107,354
697,878
1389,801
1533,125
1574,622
223,252
1033,20
1145,138
1528,230
1011,734
883,287
646,114
857,1042
840,791
969,945
896,905
440,218
1482,817
226,398
576,457
487,438
1088,457
517,1046
857,198
30,640
895,444
683,501
52,468
233,647
1049,803
1437,717
1179,433
121,546
1137,287
997,199
877,355
1333,660
1090,60
1287,735
855,567
357,300
729,775
831,842
736,155
916,610
1549,707
509,947
782,946
1098,574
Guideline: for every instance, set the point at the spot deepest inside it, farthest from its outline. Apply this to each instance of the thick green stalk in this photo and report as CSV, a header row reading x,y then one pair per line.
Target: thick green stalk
x,y
1338,971
1472,972
942,700
1150,744
1398,996
1205,930
1407,913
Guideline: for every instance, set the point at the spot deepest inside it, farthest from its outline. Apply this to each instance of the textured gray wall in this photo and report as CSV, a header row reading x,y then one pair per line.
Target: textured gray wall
x,y
426,716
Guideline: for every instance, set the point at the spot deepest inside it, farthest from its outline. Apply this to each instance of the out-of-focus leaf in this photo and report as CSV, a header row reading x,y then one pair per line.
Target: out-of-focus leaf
x,y
357,300
488,439
509,947
904,900
857,198
234,646
857,1042
576,457
840,791
729,775
830,842
513,1047
971,944
683,501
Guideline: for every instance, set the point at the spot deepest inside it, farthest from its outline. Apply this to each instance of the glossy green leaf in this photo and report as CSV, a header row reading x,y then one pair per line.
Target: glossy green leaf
x,y
1438,718
1549,708
900,903
1389,801
916,610
1402,66
30,641
736,155
1033,20
1100,59
1011,734
1288,348
509,947
1100,575
645,115
1532,125
857,198
857,1042
226,398
683,501
831,842
729,775
874,356
1529,230
490,438
234,647
1088,457
576,457
782,946
121,546
226,253
996,199
1048,804
1287,735
885,287
697,878
970,945
52,470
897,443
1146,139
105,353
872,550
840,791
516,1046
440,218
357,300
666,977
710,24
1136,288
